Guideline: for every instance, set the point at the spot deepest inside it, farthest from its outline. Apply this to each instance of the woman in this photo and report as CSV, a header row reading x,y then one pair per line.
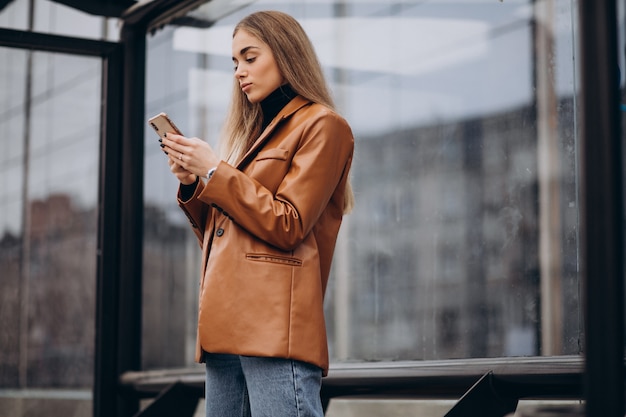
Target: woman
x,y
266,213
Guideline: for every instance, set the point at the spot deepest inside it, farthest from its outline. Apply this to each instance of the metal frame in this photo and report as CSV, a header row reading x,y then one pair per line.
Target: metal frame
x,y
108,323
34,41
112,324
601,381
485,387
602,214
120,222
118,346
122,233
555,377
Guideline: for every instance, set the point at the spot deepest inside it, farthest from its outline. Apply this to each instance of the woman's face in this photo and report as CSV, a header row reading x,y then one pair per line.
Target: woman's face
x,y
255,67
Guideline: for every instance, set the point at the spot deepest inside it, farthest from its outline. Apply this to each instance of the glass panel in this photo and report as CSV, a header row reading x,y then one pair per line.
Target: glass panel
x,y
49,133
14,15
464,241
55,18
171,260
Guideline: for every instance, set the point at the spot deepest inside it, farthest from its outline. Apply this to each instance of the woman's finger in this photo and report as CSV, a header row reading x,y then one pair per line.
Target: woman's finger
x,y
176,143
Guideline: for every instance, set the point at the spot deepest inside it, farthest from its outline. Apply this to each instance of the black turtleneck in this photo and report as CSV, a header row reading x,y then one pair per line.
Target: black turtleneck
x,y
274,103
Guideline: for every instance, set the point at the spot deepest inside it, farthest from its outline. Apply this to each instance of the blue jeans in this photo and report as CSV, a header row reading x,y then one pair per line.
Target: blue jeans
x,y
243,386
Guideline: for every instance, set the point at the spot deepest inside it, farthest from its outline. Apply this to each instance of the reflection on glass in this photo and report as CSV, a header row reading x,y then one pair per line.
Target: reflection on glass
x,y
464,240
50,127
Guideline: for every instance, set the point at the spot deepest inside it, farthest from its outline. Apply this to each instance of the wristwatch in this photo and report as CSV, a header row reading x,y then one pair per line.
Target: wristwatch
x,y
210,173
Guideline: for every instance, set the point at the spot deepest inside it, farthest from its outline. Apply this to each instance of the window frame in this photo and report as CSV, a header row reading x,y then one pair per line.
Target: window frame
x,y
586,376
107,277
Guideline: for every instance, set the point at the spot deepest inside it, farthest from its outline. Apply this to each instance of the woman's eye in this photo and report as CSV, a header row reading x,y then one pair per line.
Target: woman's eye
x,y
250,60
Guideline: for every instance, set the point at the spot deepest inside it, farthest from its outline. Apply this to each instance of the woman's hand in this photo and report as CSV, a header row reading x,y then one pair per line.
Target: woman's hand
x,y
185,177
188,157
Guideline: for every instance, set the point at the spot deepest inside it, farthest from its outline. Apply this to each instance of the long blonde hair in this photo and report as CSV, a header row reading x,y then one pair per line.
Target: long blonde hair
x,y
286,39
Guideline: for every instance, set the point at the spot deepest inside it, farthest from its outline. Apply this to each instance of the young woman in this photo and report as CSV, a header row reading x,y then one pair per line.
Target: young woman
x,y
266,213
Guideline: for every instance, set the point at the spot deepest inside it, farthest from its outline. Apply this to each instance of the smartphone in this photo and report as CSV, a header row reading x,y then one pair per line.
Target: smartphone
x,y
162,124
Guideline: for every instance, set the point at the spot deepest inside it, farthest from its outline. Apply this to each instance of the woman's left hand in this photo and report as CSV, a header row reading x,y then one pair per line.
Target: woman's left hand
x,y
192,154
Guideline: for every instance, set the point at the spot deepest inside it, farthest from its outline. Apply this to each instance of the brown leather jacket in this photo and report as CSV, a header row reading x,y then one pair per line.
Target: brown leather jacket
x,y
268,229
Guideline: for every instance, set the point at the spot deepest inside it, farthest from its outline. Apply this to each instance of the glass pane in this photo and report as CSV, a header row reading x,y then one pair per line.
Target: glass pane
x,y
49,133
14,15
464,241
56,18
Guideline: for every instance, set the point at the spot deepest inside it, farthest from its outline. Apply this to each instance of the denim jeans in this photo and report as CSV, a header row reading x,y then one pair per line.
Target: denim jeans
x,y
243,386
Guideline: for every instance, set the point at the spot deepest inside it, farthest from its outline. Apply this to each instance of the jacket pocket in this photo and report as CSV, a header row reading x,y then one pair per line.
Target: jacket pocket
x,y
275,259
274,153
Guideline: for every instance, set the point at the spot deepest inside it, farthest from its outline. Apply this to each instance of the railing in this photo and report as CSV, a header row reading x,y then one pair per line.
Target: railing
x,y
485,387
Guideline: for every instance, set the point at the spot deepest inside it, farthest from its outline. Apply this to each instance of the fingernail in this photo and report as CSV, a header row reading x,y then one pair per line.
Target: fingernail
x,y
162,146
165,134
165,152
160,140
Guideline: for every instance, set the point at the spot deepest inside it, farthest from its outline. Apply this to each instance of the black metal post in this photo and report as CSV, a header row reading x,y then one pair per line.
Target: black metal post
x,y
108,274
118,344
602,210
133,39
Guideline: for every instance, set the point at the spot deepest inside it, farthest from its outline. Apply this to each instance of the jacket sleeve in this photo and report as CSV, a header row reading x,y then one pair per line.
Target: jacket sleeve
x,y
196,211
320,162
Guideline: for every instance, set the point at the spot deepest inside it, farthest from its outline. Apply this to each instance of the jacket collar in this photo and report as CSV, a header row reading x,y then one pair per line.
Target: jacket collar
x,y
290,108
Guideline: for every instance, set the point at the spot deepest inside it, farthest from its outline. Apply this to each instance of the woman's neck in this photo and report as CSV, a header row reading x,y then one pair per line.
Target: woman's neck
x,y
274,103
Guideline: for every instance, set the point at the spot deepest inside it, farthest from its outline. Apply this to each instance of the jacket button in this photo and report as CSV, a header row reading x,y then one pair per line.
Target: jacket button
x,y
219,232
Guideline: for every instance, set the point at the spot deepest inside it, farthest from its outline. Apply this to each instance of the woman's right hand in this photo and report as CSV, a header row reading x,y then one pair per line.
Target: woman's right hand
x,y
185,177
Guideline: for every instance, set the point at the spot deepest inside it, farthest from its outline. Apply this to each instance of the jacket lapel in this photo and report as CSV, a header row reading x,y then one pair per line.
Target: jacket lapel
x,y
293,106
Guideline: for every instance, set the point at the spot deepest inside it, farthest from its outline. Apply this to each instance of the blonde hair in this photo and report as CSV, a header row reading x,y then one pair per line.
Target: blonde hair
x,y
286,39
